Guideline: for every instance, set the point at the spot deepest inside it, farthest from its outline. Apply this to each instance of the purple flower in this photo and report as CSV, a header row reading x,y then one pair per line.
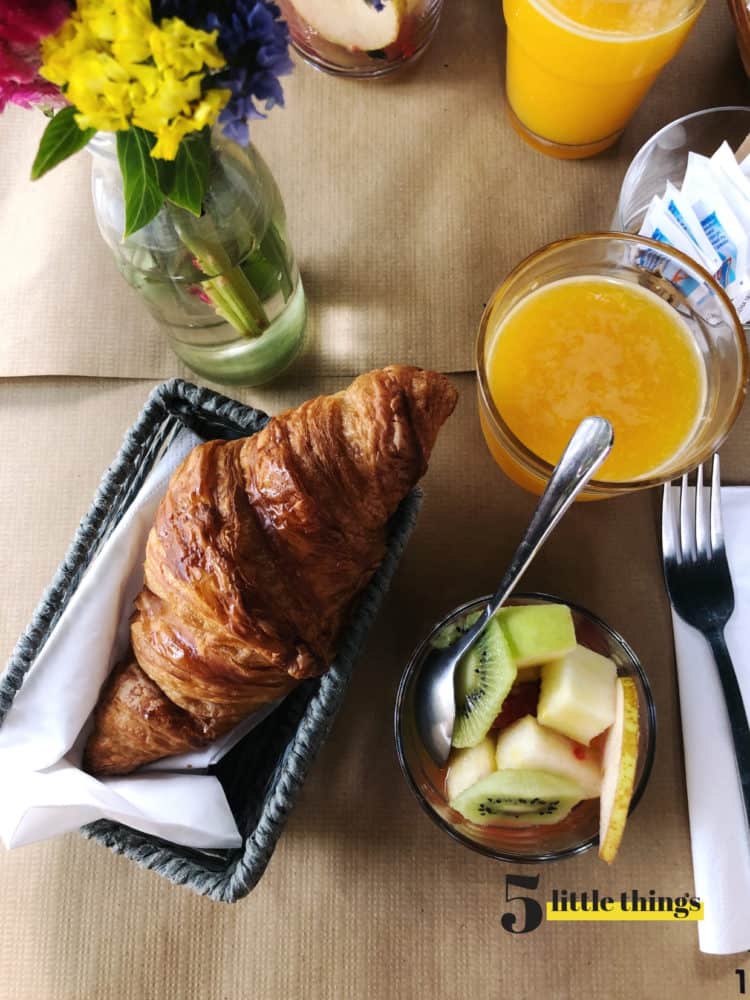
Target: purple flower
x,y
255,43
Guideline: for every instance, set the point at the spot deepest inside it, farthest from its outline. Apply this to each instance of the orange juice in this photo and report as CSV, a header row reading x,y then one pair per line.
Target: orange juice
x,y
578,69
588,346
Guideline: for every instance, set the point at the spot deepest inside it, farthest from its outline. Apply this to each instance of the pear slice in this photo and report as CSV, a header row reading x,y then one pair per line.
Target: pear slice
x,y
618,770
354,24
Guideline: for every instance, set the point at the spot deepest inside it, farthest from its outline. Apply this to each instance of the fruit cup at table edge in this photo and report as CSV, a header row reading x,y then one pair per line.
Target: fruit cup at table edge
x,y
361,38
714,327
535,843
574,82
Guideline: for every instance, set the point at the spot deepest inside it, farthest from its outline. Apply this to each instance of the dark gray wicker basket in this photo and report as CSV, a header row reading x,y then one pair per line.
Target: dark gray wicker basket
x,y
263,773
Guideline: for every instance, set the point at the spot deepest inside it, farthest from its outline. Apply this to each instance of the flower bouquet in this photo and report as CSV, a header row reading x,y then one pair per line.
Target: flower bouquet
x,y
161,93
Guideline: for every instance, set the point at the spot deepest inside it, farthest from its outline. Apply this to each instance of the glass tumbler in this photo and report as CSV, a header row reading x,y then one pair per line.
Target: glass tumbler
x,y
620,257
531,844
577,70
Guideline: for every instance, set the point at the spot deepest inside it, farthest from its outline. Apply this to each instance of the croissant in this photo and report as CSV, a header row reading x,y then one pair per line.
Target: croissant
x,y
257,552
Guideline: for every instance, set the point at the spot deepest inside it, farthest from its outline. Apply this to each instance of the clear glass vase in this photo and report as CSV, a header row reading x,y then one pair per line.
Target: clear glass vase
x,y
224,285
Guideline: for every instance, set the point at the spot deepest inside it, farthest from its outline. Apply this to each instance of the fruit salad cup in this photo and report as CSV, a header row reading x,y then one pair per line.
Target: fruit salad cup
x,y
571,738
361,38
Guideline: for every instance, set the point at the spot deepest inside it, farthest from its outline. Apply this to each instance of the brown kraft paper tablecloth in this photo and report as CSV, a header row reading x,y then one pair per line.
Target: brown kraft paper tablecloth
x,y
365,897
408,201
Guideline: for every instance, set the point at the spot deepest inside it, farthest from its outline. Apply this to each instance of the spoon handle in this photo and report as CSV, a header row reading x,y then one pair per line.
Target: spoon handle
x,y
586,450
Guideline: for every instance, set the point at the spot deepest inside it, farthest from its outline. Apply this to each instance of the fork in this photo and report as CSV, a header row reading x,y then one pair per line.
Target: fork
x,y
700,588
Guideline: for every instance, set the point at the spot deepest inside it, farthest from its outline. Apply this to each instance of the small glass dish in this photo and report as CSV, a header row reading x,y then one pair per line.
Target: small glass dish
x,y
531,844
345,53
664,158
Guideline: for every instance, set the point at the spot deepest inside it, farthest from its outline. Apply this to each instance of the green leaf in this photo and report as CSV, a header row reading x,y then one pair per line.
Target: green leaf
x,y
140,178
165,170
191,167
61,139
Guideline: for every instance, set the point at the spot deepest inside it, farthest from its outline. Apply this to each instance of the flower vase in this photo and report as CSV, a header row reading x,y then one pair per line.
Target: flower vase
x,y
224,284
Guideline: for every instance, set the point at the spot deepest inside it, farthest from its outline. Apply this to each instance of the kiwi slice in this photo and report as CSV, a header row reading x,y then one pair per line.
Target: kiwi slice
x,y
518,798
484,677
449,633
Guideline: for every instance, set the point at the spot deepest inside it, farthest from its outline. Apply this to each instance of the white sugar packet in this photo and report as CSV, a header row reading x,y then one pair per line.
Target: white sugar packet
x,y
684,215
43,792
719,837
720,224
660,225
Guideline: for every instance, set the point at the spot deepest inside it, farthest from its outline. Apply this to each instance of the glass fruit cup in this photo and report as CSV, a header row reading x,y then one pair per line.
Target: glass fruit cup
x,y
361,38
577,71
632,261
530,844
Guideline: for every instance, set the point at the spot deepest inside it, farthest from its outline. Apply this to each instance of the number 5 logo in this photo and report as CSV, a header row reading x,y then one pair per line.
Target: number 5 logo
x,y
532,911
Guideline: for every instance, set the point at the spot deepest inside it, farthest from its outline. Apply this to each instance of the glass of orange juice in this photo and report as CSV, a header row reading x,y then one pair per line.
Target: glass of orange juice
x,y
577,69
612,325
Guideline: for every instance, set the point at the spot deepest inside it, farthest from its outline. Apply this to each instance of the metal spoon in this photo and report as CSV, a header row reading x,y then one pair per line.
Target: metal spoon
x,y
435,703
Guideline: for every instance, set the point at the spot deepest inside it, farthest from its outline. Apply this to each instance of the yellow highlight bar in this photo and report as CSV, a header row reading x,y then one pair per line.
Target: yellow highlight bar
x,y
615,912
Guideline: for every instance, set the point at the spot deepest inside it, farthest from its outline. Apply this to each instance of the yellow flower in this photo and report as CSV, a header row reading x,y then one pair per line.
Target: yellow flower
x,y
171,134
170,98
133,28
178,47
59,51
100,18
210,107
99,88
119,69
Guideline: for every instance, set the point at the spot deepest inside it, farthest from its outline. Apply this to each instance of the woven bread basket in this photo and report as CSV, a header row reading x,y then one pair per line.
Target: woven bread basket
x,y
263,773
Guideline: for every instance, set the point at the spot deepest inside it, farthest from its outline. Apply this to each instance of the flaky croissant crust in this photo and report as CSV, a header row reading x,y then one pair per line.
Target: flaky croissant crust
x,y
257,551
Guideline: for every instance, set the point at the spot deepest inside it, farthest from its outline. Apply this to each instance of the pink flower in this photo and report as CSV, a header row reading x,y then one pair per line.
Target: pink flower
x,y
22,24
199,293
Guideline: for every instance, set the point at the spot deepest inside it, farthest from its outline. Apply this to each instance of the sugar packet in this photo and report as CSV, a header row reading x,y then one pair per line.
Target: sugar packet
x,y
720,224
684,215
734,184
660,225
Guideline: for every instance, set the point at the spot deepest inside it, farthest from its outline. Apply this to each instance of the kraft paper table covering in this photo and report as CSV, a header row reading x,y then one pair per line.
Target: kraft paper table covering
x,y
408,201
364,897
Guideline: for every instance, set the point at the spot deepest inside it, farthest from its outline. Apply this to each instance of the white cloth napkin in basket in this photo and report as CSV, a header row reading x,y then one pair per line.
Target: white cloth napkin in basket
x,y
720,841
43,792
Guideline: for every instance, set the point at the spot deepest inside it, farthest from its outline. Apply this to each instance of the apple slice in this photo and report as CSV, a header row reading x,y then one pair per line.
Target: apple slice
x,y
528,746
618,770
577,697
468,766
354,24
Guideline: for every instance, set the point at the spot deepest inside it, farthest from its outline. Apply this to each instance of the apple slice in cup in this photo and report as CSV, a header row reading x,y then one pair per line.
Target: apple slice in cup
x,y
357,25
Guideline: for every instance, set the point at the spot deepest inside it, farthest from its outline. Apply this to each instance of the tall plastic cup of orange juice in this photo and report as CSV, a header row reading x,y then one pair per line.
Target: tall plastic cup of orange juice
x,y
578,69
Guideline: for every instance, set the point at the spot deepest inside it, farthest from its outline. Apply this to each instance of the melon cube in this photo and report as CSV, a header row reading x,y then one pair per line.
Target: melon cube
x,y
577,694
529,746
537,633
468,766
